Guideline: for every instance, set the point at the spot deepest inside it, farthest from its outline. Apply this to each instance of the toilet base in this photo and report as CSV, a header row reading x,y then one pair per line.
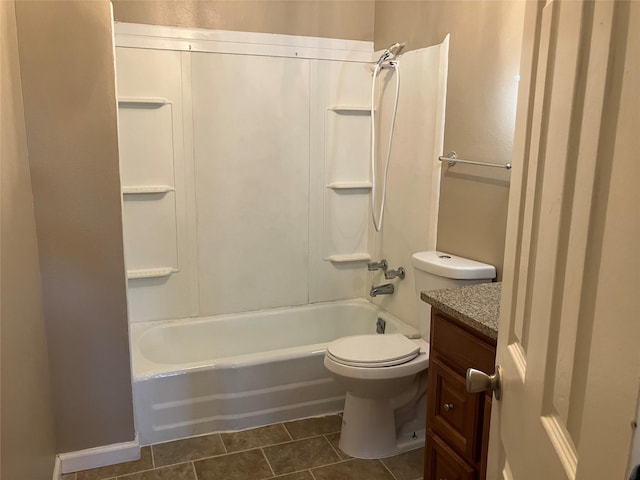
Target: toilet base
x,y
363,438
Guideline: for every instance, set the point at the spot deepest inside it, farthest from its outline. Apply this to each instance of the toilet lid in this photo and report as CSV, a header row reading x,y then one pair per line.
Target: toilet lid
x,y
373,350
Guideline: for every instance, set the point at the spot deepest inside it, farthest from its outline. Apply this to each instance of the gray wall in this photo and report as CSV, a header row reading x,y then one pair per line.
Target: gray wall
x,y
484,59
27,444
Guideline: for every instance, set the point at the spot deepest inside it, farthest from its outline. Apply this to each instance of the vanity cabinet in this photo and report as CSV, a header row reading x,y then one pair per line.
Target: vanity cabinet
x,y
457,421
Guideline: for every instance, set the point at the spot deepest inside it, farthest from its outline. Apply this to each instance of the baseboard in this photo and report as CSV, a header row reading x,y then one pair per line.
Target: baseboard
x,y
98,457
57,474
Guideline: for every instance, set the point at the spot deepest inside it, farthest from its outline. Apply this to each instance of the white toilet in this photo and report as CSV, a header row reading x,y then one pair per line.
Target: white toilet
x,y
385,375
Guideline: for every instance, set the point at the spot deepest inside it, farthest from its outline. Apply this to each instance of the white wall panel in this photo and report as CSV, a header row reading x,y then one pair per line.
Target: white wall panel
x,y
340,145
146,144
251,153
266,162
150,232
347,143
410,217
346,224
151,156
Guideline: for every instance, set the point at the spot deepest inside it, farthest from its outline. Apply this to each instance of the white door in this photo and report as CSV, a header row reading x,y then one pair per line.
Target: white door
x,y
569,340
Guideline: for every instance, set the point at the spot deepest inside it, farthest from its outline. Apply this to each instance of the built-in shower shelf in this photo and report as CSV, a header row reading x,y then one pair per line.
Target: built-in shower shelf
x,y
350,186
150,273
350,257
351,109
146,189
148,102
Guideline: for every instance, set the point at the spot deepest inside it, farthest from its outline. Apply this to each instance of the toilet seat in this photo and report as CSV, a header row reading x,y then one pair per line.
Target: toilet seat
x,y
373,351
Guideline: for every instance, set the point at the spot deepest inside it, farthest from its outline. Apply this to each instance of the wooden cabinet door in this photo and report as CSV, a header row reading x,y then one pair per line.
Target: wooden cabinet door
x,y
452,412
442,463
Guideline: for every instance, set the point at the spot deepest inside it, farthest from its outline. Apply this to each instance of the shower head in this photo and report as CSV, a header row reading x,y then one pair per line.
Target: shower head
x,y
391,52
396,47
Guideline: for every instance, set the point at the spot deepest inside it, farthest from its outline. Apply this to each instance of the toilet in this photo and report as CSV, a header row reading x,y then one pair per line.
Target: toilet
x,y
385,376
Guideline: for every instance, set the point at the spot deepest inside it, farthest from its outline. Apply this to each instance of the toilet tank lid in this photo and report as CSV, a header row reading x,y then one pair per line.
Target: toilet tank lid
x,y
451,266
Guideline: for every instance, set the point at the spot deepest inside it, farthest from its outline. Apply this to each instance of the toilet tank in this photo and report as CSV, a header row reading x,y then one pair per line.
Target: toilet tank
x,y
434,270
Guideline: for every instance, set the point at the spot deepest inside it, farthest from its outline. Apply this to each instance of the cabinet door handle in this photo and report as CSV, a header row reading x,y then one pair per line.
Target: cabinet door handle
x,y
447,408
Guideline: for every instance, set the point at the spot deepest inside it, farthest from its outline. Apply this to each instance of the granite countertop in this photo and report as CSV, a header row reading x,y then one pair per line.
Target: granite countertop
x,y
477,306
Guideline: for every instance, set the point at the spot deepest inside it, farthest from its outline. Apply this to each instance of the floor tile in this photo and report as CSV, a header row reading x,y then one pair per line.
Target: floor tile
x,y
145,463
68,476
310,427
300,455
334,440
406,466
183,471
193,448
306,475
249,465
355,469
257,437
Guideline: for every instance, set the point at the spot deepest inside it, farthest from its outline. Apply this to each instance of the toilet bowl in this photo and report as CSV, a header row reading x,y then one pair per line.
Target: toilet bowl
x,y
385,376
385,380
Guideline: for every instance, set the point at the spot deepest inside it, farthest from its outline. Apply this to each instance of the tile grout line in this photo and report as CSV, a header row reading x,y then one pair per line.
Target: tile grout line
x,y
384,465
125,475
333,463
153,460
331,444
337,454
195,472
300,471
224,445
274,444
287,430
340,460
199,459
273,473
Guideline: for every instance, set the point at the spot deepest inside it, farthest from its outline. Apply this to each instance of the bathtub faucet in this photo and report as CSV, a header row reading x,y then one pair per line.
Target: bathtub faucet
x,y
400,273
386,289
382,265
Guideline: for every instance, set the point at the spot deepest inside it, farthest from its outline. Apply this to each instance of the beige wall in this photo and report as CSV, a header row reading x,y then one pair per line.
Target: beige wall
x,y
315,18
27,439
67,67
483,62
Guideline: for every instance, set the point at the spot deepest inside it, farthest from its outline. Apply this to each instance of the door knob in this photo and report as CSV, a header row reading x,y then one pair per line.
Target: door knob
x,y
478,381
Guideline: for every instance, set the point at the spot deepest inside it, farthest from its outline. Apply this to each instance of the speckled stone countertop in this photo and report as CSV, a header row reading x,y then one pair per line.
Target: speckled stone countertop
x,y
477,306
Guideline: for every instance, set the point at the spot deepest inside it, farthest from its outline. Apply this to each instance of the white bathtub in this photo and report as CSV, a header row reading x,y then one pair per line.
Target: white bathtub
x,y
231,372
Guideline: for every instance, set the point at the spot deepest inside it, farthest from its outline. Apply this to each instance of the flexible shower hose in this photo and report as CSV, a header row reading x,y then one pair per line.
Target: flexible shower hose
x,y
377,222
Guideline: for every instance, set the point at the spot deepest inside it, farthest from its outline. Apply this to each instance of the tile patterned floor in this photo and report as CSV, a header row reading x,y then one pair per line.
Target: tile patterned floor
x,y
300,450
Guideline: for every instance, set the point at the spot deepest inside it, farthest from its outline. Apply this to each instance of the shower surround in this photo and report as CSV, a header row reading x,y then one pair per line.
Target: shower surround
x,y
245,173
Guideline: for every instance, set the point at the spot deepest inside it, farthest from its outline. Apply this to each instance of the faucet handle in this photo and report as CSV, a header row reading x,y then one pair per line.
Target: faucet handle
x,y
382,265
389,274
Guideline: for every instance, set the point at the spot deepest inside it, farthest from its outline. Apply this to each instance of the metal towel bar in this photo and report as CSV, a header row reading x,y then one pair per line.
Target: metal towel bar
x,y
452,159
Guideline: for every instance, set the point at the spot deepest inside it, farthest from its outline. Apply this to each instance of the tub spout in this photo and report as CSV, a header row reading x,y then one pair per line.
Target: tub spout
x,y
386,289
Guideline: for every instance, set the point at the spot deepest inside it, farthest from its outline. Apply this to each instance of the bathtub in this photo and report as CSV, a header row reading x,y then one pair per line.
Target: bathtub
x,y
231,372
